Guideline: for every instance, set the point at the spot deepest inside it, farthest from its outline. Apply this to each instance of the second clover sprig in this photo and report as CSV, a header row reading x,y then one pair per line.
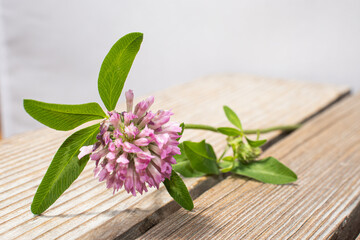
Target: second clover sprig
x,y
243,160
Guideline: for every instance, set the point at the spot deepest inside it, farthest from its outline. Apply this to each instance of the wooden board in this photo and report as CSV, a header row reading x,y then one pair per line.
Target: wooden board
x,y
324,203
88,210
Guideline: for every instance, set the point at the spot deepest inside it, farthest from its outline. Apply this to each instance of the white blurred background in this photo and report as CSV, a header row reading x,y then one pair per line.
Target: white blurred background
x,y
51,50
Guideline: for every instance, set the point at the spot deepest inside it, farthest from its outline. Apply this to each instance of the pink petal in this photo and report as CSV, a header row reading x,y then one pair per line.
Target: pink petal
x,y
111,155
99,154
112,147
128,117
106,137
143,106
156,175
123,159
85,150
141,164
117,133
142,142
118,142
161,139
171,128
166,168
130,148
103,174
110,166
131,130
114,118
146,132
161,117
129,100
148,117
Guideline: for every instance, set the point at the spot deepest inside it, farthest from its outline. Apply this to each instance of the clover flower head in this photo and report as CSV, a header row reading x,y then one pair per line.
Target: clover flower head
x,y
135,149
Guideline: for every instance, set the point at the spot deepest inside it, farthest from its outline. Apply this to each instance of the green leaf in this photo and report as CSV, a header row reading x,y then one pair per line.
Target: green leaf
x,y
116,66
226,166
256,143
64,169
182,125
178,191
228,158
183,165
232,117
202,157
268,170
229,131
62,116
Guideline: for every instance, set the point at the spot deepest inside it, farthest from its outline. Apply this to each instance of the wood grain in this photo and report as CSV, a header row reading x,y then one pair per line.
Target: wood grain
x,y
88,210
324,203
0,119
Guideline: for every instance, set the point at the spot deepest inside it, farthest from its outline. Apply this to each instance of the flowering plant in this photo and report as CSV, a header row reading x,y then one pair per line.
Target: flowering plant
x,y
137,148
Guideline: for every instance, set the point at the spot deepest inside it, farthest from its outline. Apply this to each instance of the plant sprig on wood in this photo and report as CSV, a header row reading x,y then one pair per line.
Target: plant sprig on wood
x,y
136,149
198,158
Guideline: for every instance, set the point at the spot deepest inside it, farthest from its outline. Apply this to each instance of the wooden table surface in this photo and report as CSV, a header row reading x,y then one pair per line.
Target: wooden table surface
x,y
325,153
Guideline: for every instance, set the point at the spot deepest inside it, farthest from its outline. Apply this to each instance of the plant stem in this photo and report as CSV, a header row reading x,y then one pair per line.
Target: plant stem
x,y
200,127
223,154
285,128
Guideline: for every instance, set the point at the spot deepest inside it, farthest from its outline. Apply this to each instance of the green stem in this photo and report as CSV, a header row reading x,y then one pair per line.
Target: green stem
x,y
285,128
200,127
223,154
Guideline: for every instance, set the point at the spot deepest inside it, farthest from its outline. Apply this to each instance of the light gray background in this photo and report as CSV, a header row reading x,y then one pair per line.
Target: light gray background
x,y
51,50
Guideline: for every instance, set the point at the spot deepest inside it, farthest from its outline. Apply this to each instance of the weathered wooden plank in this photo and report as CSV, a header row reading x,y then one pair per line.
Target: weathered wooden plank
x,y
87,210
324,203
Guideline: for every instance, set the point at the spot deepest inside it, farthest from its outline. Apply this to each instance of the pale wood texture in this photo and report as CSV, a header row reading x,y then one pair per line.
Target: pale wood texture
x,y
324,203
88,210
0,120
